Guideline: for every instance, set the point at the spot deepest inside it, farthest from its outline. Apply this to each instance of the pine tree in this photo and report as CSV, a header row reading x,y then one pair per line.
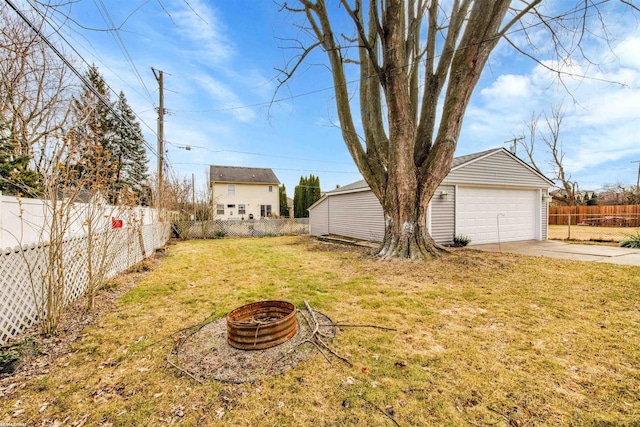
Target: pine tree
x,y
284,206
133,170
15,175
306,193
93,125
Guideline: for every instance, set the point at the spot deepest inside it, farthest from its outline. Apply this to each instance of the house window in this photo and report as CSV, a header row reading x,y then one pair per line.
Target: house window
x,y
271,189
231,206
265,211
231,189
220,209
241,210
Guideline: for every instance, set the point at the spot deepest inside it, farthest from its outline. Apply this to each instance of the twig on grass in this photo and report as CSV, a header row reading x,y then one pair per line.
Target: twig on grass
x,y
512,423
385,413
319,349
184,371
192,330
350,325
315,335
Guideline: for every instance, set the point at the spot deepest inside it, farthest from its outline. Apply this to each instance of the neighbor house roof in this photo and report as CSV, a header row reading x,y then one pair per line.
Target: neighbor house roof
x,y
456,163
242,174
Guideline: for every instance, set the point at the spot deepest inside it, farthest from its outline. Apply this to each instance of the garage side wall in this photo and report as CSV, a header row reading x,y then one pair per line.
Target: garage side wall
x,y
358,215
443,215
544,218
319,218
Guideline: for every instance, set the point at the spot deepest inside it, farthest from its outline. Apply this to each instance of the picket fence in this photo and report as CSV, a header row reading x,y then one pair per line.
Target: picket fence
x,y
22,271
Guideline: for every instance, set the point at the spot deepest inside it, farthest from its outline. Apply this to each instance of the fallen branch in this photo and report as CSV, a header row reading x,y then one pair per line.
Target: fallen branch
x,y
315,336
350,325
184,371
379,409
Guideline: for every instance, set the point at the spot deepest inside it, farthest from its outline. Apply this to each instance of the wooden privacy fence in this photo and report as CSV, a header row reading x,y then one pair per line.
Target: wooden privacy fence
x,y
619,216
22,270
238,228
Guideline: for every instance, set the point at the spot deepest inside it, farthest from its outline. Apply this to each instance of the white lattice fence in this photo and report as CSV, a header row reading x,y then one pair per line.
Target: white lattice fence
x,y
22,270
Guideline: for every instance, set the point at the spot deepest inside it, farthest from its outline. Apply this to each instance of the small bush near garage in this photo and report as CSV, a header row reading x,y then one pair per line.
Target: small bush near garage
x,y
631,242
461,241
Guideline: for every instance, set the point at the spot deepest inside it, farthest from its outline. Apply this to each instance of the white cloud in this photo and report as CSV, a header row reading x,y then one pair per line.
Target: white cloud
x,y
225,97
627,52
509,88
204,32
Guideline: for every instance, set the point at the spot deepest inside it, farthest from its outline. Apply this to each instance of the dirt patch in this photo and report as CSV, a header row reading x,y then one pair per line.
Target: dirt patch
x,y
207,355
46,349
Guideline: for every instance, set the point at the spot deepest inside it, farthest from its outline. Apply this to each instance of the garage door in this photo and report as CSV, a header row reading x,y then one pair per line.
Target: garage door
x,y
482,212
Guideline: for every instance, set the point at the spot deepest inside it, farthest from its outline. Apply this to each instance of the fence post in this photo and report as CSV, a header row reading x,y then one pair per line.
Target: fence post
x,y
569,237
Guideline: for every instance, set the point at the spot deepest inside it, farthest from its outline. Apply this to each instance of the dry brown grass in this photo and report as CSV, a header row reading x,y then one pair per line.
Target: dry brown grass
x,y
591,233
482,339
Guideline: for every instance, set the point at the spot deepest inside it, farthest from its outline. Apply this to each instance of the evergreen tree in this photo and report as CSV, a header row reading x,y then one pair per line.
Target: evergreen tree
x,y
306,193
94,125
15,175
284,206
132,169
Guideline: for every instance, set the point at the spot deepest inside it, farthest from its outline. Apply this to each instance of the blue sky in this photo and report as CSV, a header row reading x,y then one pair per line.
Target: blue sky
x,y
219,59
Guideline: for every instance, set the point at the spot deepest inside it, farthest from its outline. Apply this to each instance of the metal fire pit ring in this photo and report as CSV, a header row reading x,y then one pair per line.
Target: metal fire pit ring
x,y
261,325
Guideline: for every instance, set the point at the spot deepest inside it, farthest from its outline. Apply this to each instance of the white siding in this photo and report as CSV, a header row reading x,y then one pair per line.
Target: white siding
x,y
319,218
250,195
443,215
544,218
358,215
497,169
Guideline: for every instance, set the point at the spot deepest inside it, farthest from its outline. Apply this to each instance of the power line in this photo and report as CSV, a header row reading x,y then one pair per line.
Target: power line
x,y
115,34
188,148
329,88
279,169
44,17
82,78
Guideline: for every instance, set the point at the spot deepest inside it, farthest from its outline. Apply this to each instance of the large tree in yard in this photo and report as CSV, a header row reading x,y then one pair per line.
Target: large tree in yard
x,y
419,62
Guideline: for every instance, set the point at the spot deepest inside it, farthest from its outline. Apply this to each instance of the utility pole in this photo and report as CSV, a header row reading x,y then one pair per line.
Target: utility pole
x,y
159,77
193,194
637,182
514,144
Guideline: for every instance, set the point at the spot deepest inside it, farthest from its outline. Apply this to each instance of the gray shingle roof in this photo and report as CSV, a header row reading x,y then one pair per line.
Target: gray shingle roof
x,y
457,161
242,174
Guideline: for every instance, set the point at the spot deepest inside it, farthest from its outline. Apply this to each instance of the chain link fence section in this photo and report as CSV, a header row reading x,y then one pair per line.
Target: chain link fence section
x,y
241,228
22,270
593,227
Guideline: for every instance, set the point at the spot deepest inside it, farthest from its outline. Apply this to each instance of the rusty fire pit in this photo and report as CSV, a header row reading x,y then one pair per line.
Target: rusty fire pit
x,y
261,325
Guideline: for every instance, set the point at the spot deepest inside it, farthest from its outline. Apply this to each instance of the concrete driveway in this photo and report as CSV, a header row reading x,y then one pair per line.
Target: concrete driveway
x,y
557,249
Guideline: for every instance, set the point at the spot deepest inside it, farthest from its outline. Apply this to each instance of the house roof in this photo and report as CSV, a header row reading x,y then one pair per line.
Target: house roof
x,y
456,163
242,174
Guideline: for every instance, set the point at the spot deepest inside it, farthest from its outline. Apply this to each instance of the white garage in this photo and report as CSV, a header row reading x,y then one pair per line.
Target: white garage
x,y
489,197
488,215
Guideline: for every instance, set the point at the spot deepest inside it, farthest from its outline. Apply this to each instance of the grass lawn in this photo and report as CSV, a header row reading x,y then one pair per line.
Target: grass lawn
x,y
482,339
591,233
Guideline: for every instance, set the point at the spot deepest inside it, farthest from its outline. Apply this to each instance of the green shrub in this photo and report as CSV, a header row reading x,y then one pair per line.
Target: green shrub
x,y
219,234
631,241
461,240
12,354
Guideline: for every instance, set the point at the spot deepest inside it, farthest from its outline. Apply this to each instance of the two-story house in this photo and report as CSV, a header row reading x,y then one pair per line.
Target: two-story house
x,y
244,193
